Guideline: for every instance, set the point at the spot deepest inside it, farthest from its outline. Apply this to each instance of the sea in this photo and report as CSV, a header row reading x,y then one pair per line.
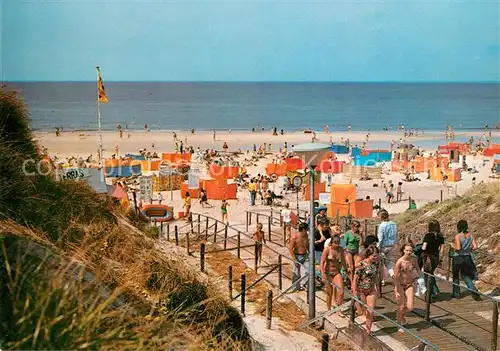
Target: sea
x,y
243,106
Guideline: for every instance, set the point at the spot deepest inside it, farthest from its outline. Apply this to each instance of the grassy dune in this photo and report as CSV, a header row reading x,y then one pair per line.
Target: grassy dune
x,y
75,273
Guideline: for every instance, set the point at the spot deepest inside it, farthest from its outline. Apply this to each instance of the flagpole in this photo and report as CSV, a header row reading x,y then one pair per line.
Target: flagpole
x,y
101,158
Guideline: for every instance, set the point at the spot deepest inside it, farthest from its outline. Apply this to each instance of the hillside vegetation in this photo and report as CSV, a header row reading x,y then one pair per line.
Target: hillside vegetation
x,y
480,206
76,274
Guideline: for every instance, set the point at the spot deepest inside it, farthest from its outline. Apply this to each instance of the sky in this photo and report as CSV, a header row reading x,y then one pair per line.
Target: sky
x,y
361,41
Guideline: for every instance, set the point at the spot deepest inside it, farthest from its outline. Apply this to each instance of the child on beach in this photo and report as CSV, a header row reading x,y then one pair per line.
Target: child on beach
x,y
399,192
187,205
204,198
223,211
389,192
259,238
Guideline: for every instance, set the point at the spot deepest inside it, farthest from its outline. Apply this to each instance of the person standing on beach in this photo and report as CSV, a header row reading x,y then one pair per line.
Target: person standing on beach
x,y
204,198
214,135
259,238
252,188
223,211
187,205
160,198
299,250
399,192
286,215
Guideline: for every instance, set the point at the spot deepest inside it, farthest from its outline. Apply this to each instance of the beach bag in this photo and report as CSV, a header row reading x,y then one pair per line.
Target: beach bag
x,y
427,263
420,288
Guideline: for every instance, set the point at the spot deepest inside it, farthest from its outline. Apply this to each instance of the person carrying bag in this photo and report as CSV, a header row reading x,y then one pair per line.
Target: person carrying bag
x,y
463,262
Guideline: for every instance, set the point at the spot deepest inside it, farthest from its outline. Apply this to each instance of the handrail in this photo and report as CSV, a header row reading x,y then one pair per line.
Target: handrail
x,y
258,280
375,312
348,293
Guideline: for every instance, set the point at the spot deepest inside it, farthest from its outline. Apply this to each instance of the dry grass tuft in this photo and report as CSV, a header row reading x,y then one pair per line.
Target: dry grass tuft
x,y
76,274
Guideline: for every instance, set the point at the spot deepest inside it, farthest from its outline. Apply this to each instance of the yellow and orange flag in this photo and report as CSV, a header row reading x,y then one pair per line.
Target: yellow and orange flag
x,y
103,97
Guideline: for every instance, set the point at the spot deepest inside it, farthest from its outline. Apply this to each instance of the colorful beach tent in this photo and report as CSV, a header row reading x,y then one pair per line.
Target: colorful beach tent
x,y
116,191
340,149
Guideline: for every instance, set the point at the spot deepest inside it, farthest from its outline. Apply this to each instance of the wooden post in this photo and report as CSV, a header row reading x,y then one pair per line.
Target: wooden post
x,y
199,224
352,317
428,299
379,204
215,232
257,218
161,228
191,222
271,216
202,257
176,236
249,218
168,231
280,275
239,242
365,233
225,237
441,195
256,257
269,311
242,294
450,264
136,208
187,243
246,222
284,235
230,282
494,326
324,342
409,202
206,229
156,225
376,230
269,228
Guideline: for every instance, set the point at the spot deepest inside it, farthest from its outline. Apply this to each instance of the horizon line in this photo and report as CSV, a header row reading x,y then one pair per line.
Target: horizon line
x,y
258,81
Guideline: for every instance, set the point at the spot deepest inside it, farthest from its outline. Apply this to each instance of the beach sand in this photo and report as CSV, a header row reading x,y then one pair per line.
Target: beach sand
x,y
86,143
72,144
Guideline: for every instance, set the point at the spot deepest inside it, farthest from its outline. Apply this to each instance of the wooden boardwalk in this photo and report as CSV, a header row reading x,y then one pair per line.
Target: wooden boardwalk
x,y
456,324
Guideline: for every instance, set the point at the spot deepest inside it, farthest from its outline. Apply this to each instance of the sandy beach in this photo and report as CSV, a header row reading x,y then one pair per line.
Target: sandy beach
x,y
424,191
83,144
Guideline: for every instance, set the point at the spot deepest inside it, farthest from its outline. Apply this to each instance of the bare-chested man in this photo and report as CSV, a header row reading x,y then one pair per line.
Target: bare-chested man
x,y
299,250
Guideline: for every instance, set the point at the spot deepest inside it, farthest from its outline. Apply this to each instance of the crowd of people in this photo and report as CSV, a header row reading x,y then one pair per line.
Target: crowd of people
x,y
362,262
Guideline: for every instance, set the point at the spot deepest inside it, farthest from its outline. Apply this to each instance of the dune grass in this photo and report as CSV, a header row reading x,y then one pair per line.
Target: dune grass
x,y
75,273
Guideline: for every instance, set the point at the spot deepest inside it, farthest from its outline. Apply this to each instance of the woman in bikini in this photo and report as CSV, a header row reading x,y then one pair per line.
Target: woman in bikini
x,y
332,261
405,272
366,277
